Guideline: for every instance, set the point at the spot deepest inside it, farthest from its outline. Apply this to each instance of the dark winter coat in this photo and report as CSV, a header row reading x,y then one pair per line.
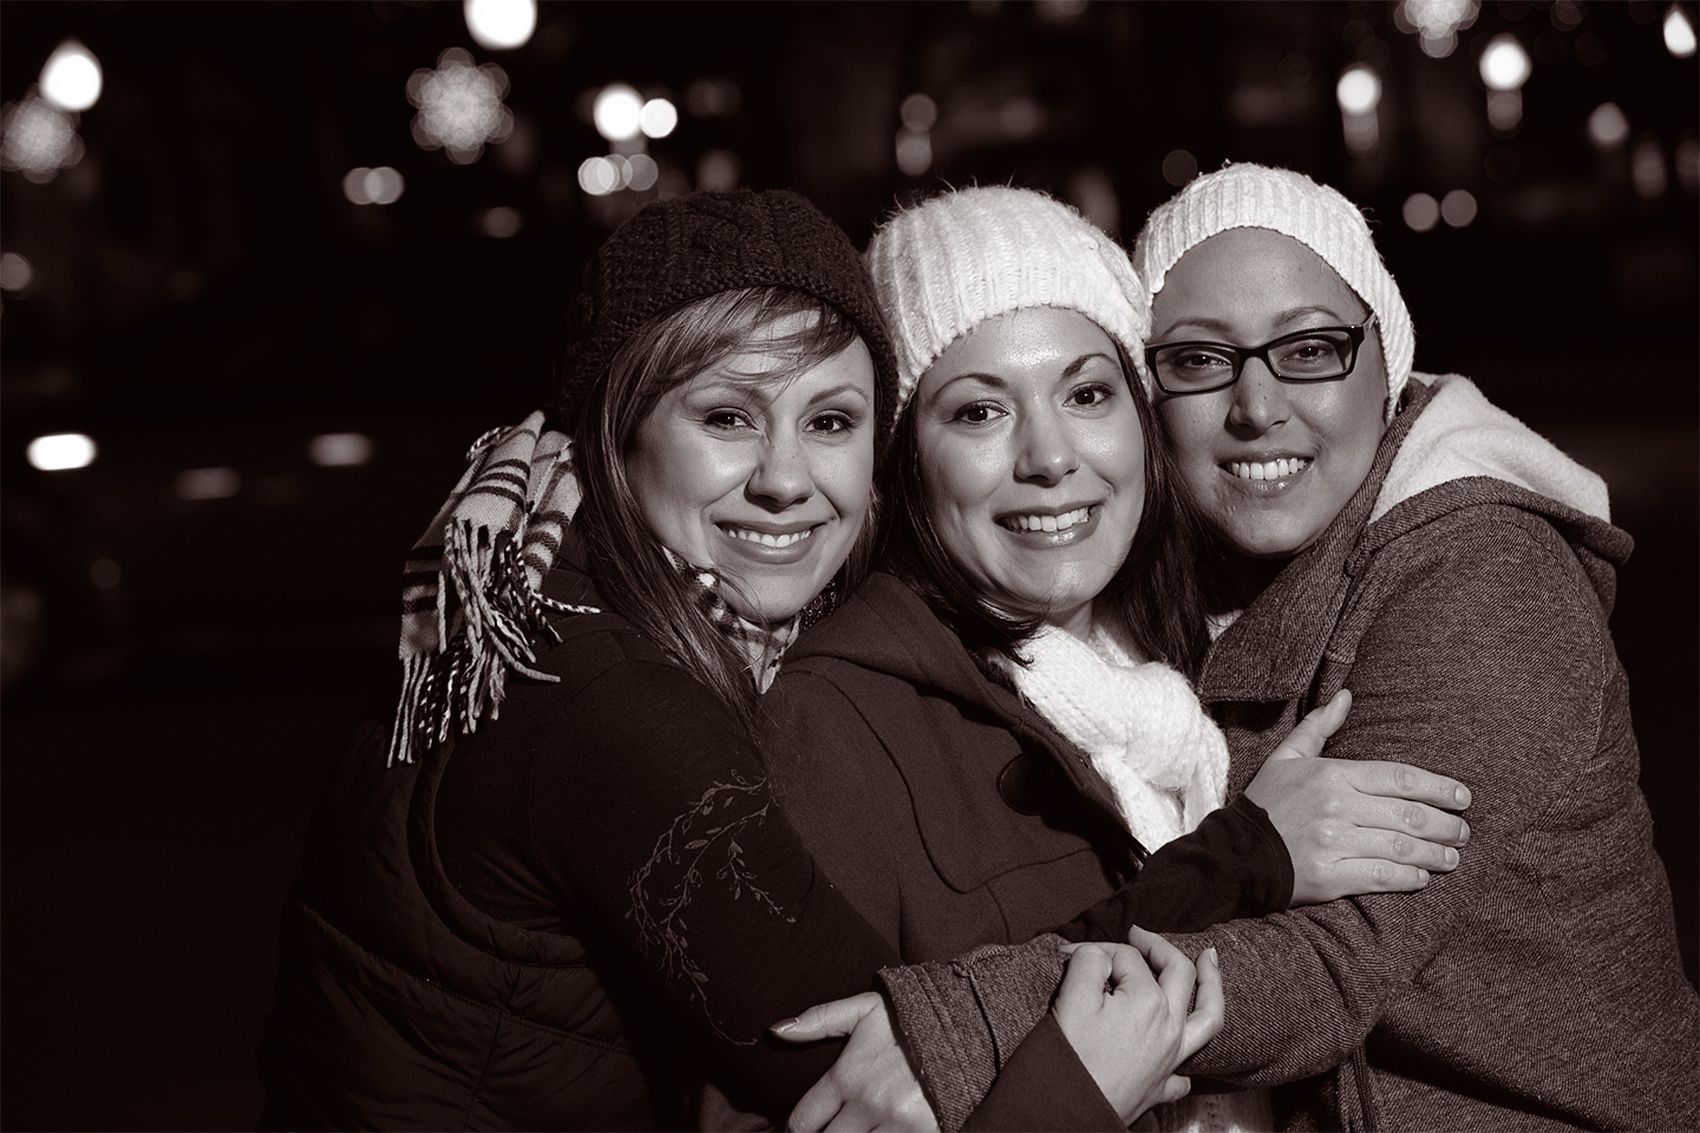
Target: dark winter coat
x,y
951,814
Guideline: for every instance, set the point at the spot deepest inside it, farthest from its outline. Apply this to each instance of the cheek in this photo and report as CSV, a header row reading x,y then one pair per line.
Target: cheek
x,y
1188,427
846,474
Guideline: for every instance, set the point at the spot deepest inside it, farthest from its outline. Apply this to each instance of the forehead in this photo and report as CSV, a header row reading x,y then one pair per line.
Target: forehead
x,y
1247,276
1035,340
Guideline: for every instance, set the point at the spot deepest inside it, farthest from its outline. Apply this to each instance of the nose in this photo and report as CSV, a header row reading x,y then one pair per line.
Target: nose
x,y
1047,452
1260,401
782,476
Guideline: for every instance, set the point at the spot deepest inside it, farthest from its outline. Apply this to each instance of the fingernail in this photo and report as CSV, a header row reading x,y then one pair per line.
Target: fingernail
x,y
1461,795
1210,952
784,1025
1451,857
1465,837
1422,877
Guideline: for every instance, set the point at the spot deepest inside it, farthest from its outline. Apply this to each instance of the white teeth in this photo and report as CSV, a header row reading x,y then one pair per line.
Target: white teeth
x,y
1268,469
1049,522
767,540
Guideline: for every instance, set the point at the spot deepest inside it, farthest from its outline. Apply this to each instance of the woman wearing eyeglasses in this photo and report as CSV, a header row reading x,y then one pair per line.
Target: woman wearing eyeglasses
x,y
1400,537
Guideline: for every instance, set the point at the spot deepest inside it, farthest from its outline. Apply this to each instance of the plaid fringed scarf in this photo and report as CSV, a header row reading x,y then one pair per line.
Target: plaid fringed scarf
x,y
472,600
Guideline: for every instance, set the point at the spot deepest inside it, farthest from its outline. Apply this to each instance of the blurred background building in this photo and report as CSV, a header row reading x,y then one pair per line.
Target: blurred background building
x,y
267,269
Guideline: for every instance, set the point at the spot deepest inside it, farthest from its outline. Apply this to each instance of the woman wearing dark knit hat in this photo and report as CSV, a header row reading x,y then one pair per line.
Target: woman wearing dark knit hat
x,y
1036,541
1397,534
506,925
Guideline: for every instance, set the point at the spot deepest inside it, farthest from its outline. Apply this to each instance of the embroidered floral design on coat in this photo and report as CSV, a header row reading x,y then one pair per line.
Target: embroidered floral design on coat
x,y
702,839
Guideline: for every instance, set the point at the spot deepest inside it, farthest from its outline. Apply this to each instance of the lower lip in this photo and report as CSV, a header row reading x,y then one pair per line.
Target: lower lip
x,y
772,556
1266,487
1050,540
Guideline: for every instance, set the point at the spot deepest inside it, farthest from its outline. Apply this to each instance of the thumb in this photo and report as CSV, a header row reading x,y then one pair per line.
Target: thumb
x,y
1307,739
827,1020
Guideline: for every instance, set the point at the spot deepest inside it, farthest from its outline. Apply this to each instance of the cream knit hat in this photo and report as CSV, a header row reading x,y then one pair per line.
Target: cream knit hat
x,y
955,260
1256,196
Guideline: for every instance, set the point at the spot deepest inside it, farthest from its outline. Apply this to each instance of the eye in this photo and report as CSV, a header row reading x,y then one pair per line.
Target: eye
x,y
1090,395
978,413
727,420
1201,361
833,423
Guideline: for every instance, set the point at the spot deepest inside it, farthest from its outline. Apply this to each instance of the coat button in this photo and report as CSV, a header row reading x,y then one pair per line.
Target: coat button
x,y
1028,784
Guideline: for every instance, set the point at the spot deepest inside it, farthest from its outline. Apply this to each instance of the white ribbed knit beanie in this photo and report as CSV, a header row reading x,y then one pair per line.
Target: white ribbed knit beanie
x,y
1257,196
955,260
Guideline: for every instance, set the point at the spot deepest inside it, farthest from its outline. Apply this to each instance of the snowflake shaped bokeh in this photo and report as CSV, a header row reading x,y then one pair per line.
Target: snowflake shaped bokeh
x,y
38,139
460,106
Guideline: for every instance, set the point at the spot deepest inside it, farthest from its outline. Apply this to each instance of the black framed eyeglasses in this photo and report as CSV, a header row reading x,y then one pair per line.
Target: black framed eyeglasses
x,y
1318,354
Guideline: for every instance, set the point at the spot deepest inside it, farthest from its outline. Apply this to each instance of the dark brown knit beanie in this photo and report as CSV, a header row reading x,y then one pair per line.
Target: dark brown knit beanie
x,y
676,252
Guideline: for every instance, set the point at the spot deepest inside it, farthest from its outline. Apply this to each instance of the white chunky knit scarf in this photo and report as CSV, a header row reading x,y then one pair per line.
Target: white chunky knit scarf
x,y
1166,763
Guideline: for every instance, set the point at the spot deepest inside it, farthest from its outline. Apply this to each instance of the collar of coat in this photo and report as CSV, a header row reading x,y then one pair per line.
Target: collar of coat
x,y
1274,649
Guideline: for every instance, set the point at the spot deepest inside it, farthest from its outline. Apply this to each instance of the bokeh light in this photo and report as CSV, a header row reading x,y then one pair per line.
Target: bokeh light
x,y
642,171
918,112
460,106
618,113
37,139
71,78
914,152
1421,212
1359,90
1179,167
597,176
500,25
340,450
377,186
500,223
1505,65
207,483
1458,208
16,273
59,452
1436,23
1679,33
1647,169
658,118
718,170
1607,125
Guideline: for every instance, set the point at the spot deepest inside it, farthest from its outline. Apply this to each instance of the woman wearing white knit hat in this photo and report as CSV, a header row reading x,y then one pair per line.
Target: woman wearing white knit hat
x,y
1398,535
1036,538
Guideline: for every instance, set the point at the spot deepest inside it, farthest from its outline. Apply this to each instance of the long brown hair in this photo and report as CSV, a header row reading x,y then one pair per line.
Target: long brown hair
x,y
628,563
1154,596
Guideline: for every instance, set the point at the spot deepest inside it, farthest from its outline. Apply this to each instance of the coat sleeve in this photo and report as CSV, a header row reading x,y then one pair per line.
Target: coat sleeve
x,y
1486,661
652,817
1234,865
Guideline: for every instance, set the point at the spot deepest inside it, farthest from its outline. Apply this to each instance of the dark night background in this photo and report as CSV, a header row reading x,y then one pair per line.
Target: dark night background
x,y
193,621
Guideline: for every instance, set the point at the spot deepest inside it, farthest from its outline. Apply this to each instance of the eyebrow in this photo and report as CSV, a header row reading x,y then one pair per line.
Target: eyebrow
x,y
996,382
1220,326
758,389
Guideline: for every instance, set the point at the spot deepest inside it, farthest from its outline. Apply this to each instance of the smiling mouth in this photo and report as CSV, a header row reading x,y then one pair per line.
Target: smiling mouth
x,y
1281,469
767,538
1042,521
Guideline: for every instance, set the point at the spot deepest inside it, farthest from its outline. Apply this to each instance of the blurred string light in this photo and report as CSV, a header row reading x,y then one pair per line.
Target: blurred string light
x,y
38,139
207,483
1679,33
377,186
1179,167
499,25
598,177
1607,125
1458,208
1567,15
918,112
1647,169
1688,165
1505,67
642,172
718,170
617,113
1359,93
460,106
1421,212
71,77
60,452
16,273
1436,23
340,450
658,118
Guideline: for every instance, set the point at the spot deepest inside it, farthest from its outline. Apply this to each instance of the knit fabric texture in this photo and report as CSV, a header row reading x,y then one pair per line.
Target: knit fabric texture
x,y
1244,195
957,259
676,252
